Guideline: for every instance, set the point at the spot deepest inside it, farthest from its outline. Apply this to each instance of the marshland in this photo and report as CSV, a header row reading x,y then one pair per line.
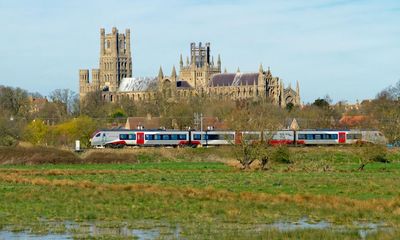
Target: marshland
x,y
161,193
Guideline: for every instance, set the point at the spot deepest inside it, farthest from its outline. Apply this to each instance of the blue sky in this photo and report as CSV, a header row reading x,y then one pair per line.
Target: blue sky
x,y
348,49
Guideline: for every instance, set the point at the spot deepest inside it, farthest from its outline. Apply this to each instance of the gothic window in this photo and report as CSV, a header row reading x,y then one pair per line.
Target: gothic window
x,y
108,44
167,91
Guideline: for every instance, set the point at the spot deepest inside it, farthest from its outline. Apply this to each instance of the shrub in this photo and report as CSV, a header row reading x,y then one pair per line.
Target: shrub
x,y
372,153
281,154
36,131
7,141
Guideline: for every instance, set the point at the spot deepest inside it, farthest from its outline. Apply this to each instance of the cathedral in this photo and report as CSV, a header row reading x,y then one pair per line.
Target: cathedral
x,y
199,75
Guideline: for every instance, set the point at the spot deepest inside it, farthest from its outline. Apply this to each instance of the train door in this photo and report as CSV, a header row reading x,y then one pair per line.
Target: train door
x,y
342,137
140,138
103,138
238,137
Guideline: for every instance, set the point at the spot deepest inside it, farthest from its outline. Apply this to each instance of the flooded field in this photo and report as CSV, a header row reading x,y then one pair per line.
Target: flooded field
x,y
158,230
182,199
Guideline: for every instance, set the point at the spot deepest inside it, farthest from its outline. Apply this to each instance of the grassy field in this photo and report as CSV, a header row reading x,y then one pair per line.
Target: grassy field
x,y
199,194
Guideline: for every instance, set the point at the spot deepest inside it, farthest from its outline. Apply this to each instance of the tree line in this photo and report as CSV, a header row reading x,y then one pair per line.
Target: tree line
x,y
63,118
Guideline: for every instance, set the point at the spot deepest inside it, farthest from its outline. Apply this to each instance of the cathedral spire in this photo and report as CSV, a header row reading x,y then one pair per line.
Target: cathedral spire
x,y
269,72
173,74
219,61
297,93
260,69
282,95
225,71
238,70
187,61
181,61
160,73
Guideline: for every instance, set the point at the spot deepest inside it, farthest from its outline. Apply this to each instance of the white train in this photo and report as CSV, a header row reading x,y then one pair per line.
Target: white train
x,y
121,138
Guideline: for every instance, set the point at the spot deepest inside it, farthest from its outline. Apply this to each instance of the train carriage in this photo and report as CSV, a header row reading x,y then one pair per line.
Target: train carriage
x,y
111,138
320,137
210,138
283,137
165,138
122,137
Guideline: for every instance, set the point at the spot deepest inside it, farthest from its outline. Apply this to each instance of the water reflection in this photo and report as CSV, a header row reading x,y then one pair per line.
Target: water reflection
x,y
156,230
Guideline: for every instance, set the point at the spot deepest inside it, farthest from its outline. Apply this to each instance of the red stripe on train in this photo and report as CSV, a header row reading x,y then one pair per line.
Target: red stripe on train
x,y
280,142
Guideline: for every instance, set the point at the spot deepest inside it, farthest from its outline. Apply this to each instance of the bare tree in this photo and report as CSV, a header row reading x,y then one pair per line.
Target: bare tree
x,y
258,117
66,98
14,101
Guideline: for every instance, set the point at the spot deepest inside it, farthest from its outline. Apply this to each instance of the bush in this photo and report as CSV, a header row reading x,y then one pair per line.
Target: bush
x,y
281,154
372,153
8,141
80,128
36,131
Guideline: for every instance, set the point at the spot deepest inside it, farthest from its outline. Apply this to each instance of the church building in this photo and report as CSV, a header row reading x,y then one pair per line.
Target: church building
x,y
198,76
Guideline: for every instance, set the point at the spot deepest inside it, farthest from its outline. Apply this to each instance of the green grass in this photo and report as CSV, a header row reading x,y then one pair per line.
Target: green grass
x,y
141,166
372,183
206,197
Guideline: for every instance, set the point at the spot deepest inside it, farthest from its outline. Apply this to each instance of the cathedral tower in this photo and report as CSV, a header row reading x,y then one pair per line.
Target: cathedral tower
x,y
115,58
198,71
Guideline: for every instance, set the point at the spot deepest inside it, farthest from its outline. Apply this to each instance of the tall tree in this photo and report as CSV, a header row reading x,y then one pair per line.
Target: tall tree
x,y
14,101
66,98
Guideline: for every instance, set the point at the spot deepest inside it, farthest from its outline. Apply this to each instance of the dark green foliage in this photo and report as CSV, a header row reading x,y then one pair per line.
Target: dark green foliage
x,y
372,153
7,140
289,106
321,103
281,154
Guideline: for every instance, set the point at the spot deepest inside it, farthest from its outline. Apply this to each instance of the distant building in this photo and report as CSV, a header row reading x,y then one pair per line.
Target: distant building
x,y
148,122
37,104
199,76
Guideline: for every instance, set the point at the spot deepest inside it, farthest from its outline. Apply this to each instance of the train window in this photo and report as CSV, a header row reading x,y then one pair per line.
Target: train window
x,y
98,135
350,136
149,137
212,137
197,137
230,137
157,137
132,137
302,136
310,136
123,137
174,136
255,136
354,136
165,137
182,137
317,136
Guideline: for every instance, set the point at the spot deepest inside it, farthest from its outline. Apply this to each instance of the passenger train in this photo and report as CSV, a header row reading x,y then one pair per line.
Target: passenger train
x,y
121,138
